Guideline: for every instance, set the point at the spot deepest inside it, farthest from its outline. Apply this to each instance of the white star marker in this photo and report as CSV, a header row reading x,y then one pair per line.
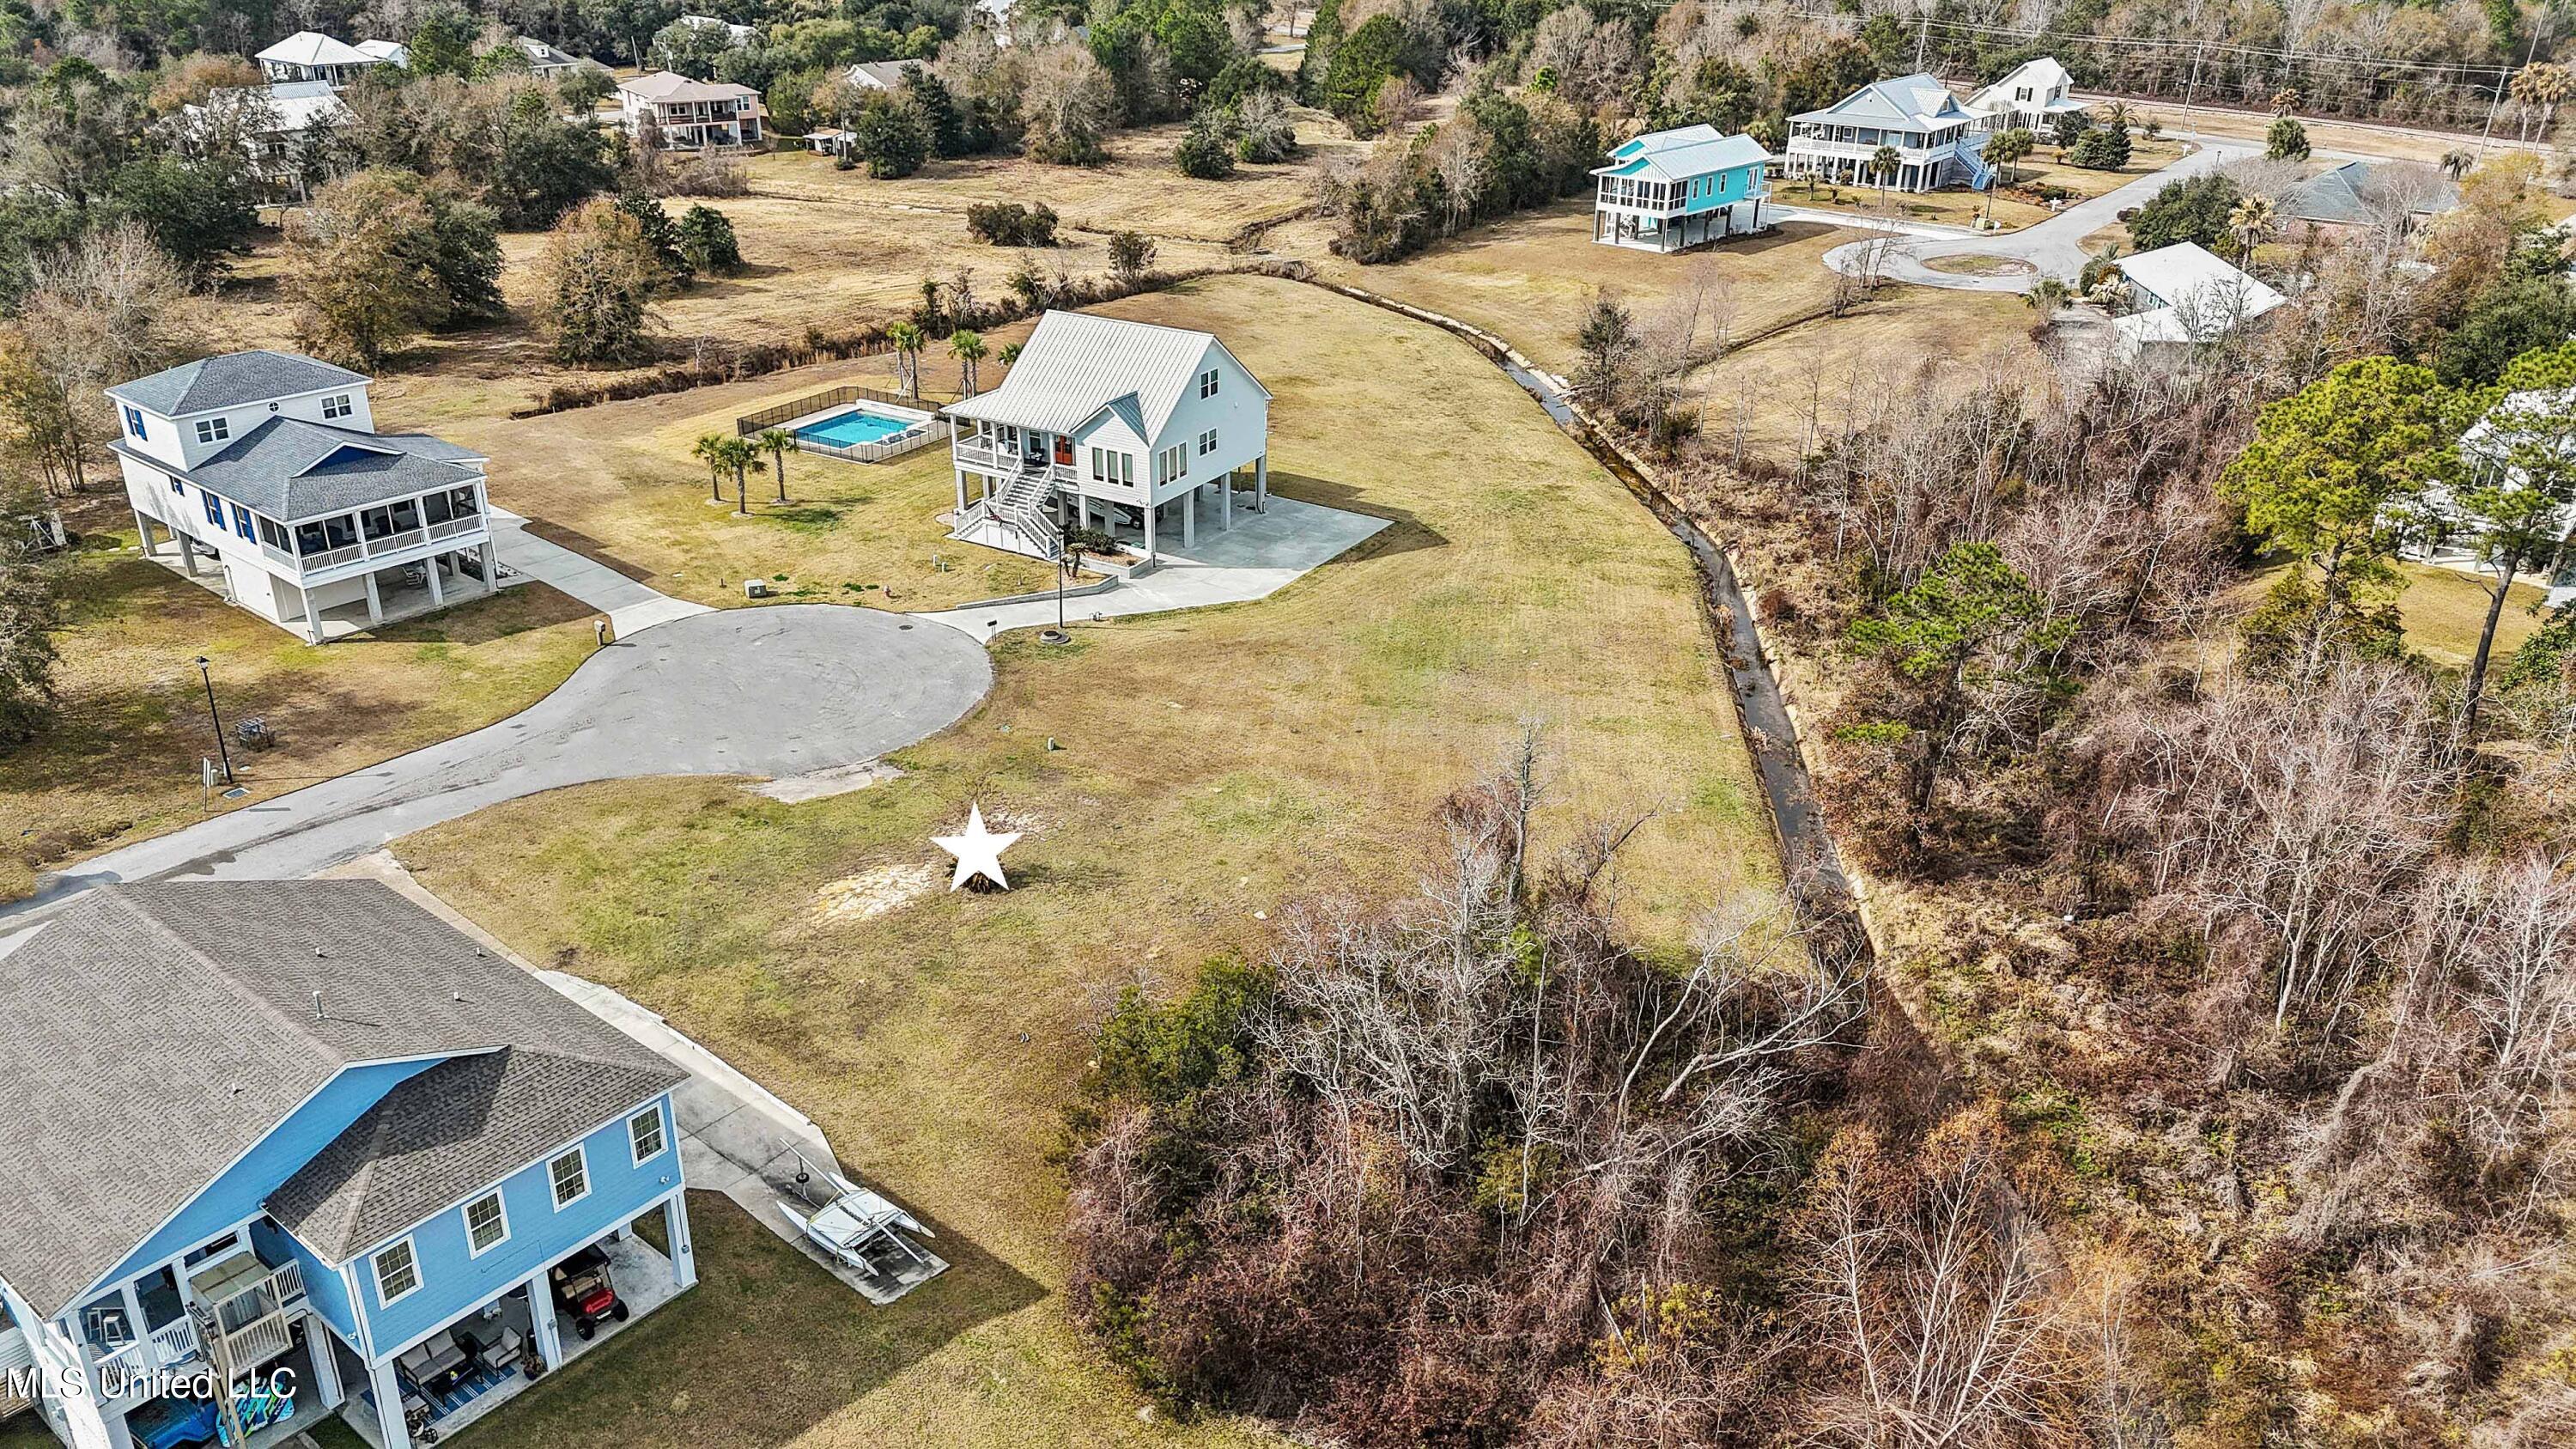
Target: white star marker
x,y
978,851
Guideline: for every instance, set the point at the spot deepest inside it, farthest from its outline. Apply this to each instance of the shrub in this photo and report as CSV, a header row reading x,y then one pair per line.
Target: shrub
x,y
2193,210
2286,140
1130,253
708,242
1206,152
1010,224
2103,148
890,137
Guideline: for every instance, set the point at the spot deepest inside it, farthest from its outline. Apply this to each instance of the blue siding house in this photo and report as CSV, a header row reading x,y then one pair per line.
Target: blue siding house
x,y
334,1156
1667,190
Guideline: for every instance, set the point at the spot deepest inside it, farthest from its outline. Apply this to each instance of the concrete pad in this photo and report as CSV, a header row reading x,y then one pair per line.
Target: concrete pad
x,y
629,605
1265,553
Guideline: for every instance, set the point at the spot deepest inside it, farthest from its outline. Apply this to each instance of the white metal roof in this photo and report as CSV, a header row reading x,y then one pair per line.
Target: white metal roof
x,y
663,85
1908,99
296,105
392,52
312,47
1076,364
1681,153
2202,296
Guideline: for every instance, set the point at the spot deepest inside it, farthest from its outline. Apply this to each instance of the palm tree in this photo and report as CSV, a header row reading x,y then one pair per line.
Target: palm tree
x,y
2117,115
968,348
1009,356
2251,221
906,341
710,451
2010,146
778,443
743,457
2457,163
2048,296
1882,165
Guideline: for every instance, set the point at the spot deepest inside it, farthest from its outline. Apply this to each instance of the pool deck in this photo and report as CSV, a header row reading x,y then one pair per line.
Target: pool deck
x,y
920,427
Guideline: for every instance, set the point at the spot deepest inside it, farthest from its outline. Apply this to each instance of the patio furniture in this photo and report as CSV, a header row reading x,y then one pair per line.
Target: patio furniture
x,y
433,1359
500,1348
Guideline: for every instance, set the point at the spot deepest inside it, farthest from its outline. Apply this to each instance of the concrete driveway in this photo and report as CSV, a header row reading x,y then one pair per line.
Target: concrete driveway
x,y
2053,248
782,690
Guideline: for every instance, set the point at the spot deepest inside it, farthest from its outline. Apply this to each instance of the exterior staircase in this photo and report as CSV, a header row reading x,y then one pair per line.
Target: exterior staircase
x,y
1015,518
1972,163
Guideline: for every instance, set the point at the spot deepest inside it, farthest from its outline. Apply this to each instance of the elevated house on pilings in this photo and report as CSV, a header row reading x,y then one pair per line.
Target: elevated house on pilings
x,y
1121,427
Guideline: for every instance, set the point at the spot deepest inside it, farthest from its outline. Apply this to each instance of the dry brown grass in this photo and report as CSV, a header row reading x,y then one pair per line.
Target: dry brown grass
x,y
120,762
1181,778
1529,279
1960,207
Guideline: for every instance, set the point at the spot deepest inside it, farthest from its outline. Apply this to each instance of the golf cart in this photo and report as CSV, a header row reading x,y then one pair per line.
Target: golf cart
x,y
583,1292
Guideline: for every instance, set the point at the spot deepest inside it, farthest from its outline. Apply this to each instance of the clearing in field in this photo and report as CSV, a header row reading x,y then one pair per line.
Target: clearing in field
x,y
1182,779
120,762
1530,279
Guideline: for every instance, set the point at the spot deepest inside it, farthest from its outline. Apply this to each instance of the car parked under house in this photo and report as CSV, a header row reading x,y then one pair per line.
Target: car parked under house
x,y
267,466
308,1127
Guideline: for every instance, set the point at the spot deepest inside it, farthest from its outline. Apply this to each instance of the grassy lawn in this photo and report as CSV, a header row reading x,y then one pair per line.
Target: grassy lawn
x,y
1136,189
120,762
1816,378
2015,205
1531,278
1181,778
2444,609
617,482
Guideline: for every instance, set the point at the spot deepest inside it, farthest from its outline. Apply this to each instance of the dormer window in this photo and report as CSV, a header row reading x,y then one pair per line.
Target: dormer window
x,y
335,406
213,430
1207,383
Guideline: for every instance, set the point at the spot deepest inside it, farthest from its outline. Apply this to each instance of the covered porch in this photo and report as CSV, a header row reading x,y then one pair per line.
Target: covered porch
x,y
488,1355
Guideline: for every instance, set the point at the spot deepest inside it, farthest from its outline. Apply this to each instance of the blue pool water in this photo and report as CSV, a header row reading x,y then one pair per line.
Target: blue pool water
x,y
854,426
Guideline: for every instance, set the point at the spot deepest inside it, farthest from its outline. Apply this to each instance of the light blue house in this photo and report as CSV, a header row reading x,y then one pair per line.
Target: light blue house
x,y
1667,190
307,1141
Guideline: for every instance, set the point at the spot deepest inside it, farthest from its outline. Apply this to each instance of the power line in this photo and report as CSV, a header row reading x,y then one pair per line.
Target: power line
x,y
2487,74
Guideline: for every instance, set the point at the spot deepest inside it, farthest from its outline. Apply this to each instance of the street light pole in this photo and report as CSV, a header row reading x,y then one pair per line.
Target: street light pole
x,y
1063,556
205,671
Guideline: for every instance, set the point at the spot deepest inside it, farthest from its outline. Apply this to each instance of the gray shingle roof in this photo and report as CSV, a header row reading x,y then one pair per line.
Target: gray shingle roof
x,y
1077,363
290,469
2345,193
230,381
156,1033
1910,100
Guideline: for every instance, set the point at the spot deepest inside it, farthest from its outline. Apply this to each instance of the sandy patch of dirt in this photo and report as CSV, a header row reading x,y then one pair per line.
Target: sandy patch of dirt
x,y
874,892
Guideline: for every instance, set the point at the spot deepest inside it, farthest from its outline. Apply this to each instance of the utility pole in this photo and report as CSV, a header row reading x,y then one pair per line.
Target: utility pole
x,y
205,672
1922,38
2492,107
2192,87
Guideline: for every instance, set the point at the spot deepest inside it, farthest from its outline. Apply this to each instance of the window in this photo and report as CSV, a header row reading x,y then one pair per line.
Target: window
x,y
335,406
487,1224
178,487
213,430
397,1273
1126,468
214,510
570,1175
242,523
1207,383
644,1133
134,421
274,536
1207,442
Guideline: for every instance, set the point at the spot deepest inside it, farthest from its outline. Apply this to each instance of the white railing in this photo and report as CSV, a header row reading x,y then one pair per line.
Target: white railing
x,y
258,1341
1856,151
455,526
175,1342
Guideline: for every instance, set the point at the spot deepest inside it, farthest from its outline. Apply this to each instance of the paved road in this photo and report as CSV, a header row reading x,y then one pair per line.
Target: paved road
x,y
2054,247
778,690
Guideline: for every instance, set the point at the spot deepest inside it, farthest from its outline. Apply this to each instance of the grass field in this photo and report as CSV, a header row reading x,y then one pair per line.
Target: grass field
x,y
1959,206
2444,609
1531,278
1906,344
1182,779
617,482
120,762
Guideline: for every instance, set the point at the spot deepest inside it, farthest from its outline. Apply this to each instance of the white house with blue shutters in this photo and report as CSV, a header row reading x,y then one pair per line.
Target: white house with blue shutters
x,y
266,468
1667,190
279,1149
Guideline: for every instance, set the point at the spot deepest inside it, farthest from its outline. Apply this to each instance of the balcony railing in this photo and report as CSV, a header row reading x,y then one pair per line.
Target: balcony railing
x,y
1009,462
391,543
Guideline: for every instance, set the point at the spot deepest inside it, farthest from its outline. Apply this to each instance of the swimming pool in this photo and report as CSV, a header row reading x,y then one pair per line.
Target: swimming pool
x,y
855,426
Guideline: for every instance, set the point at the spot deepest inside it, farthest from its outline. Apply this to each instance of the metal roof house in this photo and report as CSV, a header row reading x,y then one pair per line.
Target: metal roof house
x,y
308,1142
268,466
280,118
690,114
2033,96
1936,140
309,55
1110,424
2184,295
1667,190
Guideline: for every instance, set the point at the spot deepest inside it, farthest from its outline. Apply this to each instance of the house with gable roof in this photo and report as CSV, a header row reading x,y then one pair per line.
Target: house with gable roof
x,y
266,466
331,1154
2033,96
1667,190
2185,295
1110,424
690,115
1936,140
309,55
